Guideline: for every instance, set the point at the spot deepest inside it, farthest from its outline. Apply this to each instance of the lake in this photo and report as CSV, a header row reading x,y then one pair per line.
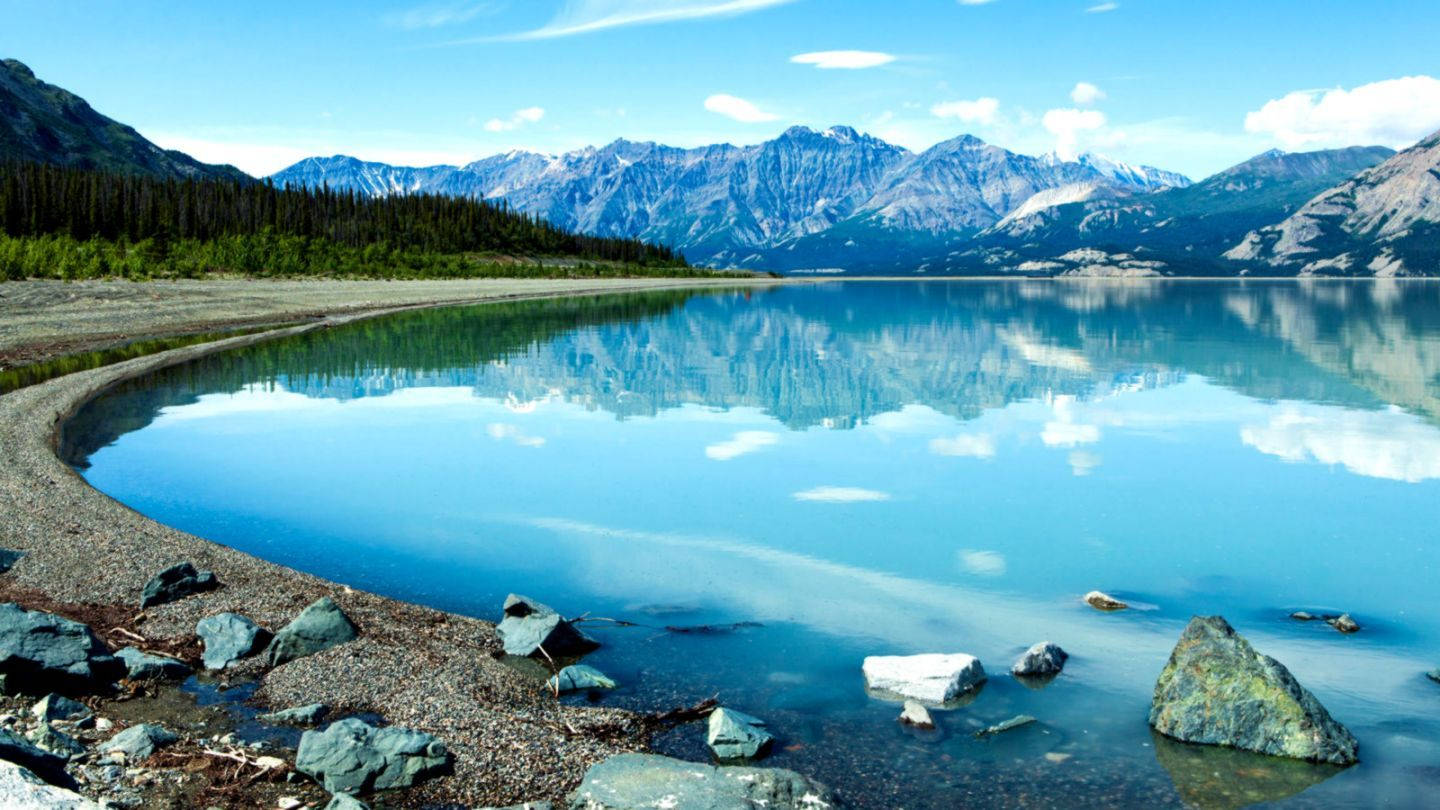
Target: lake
x,y
861,468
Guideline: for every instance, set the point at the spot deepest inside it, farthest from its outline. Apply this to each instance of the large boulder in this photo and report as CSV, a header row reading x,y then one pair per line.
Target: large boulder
x,y
45,764
138,742
20,787
229,637
1043,660
175,583
579,678
527,626
320,626
58,707
933,678
636,781
352,756
145,666
1217,690
736,735
42,652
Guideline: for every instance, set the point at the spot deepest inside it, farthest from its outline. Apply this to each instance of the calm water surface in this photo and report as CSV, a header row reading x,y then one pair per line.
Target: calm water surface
x,y
871,468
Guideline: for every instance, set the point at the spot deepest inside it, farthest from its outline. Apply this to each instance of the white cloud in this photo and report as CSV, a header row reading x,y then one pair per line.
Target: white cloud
x,y
1068,126
1387,444
1086,94
1100,8
841,495
1394,112
737,108
967,445
527,115
500,431
435,15
982,563
1083,462
843,60
974,2
978,111
745,441
1068,434
586,16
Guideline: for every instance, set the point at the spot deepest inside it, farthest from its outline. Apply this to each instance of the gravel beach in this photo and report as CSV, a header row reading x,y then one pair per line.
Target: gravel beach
x,y
89,556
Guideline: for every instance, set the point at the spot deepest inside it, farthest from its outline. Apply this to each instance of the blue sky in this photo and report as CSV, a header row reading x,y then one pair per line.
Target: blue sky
x,y
1189,86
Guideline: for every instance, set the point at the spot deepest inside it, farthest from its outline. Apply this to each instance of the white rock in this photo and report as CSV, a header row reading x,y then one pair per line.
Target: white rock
x,y
21,788
929,678
915,714
289,803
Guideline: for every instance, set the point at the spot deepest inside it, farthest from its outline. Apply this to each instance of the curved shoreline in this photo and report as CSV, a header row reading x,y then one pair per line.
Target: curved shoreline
x,y
416,666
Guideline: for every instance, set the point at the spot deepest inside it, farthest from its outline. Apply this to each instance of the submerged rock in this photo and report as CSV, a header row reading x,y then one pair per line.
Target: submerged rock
x,y
320,626
1104,601
175,583
310,715
21,787
1433,675
1008,725
736,735
1216,778
41,652
633,781
138,742
48,766
529,625
579,678
931,677
352,756
229,637
1217,690
8,558
1344,623
58,707
1041,660
915,714
143,665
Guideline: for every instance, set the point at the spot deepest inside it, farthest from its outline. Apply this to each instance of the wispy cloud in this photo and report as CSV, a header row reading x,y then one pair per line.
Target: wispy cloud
x,y
436,15
978,111
588,16
504,432
737,108
520,118
1394,112
1101,8
982,563
843,60
966,445
841,495
743,442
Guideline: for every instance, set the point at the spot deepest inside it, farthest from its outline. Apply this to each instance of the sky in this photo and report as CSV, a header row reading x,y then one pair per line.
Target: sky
x,y
1192,86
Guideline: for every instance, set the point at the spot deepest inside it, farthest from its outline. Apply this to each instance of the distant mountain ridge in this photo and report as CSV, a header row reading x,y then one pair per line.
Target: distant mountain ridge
x,y
42,123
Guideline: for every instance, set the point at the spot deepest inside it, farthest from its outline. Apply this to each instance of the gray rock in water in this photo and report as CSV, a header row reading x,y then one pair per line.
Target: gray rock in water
x,y
1008,725
1042,660
320,626
579,678
310,715
42,653
19,787
635,781
352,756
915,714
229,637
528,625
46,765
58,707
139,742
1344,623
736,735
1104,601
8,558
1433,675
56,742
340,801
1217,690
176,583
143,665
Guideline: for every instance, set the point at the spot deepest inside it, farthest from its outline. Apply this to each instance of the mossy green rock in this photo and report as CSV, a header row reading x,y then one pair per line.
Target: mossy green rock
x,y
1217,690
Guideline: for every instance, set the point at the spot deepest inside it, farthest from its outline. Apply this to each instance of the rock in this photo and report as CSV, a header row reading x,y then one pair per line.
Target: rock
x,y
1104,601
930,678
1433,675
310,715
736,735
340,801
48,739
8,558
21,787
176,583
634,781
138,742
352,756
1344,623
1302,616
46,765
1216,778
1041,660
579,677
143,665
1217,690
528,625
915,714
523,806
57,707
42,652
1000,728
229,637
320,626
288,803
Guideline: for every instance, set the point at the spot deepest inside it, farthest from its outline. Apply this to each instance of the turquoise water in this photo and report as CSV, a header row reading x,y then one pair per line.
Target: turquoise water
x,y
871,468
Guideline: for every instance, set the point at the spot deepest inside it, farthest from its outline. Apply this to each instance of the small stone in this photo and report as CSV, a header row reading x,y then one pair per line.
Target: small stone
x,y
175,583
8,558
579,678
320,626
352,756
1104,601
54,707
527,626
269,763
310,715
145,666
1302,616
1344,623
1040,660
229,637
138,742
55,742
930,678
735,735
341,801
1000,728
1057,756
288,803
103,724
915,714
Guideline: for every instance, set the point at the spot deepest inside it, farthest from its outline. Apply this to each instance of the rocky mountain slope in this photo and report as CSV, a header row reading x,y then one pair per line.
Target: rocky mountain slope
x,y
1384,221
43,123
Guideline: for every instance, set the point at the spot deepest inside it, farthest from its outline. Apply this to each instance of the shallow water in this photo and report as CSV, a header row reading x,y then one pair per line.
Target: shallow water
x,y
871,468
